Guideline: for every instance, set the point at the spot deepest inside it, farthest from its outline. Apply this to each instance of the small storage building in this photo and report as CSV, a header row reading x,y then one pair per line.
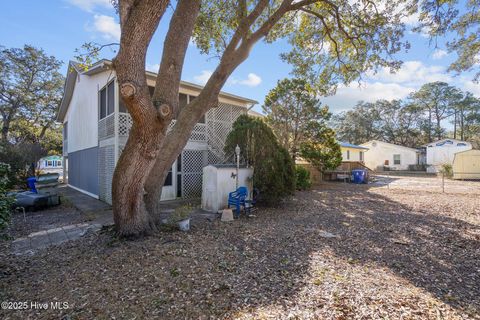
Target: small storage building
x,y
219,180
466,165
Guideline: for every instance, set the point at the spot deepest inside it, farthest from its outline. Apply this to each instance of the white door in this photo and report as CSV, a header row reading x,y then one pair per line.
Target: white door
x,y
169,191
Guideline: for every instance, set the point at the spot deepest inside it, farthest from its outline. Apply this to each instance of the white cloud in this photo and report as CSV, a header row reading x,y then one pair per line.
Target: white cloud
x,y
203,77
469,85
439,54
107,26
89,5
252,80
412,73
152,67
347,97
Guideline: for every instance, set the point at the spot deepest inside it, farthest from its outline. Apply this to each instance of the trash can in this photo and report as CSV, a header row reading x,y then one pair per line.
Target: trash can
x,y
359,176
31,184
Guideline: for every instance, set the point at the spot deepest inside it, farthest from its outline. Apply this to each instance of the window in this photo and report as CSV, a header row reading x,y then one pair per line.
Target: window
x,y
461,144
348,154
396,159
59,163
103,103
107,100
361,155
49,163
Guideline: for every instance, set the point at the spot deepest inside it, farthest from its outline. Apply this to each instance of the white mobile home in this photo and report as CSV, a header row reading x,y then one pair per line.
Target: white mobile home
x,y
383,155
443,152
97,124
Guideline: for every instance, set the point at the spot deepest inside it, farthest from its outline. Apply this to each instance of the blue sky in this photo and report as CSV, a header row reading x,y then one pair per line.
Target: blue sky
x,y
61,26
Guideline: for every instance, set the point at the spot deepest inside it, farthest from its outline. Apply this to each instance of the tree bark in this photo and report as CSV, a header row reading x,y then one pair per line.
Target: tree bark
x,y
139,20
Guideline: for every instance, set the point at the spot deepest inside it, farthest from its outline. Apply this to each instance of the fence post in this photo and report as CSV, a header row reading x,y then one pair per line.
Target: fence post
x,y
443,182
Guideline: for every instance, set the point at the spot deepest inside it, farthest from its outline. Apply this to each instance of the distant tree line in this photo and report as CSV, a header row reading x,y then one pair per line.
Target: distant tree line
x,y
436,111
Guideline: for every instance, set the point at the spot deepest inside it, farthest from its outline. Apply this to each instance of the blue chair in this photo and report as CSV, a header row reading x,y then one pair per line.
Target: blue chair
x,y
237,199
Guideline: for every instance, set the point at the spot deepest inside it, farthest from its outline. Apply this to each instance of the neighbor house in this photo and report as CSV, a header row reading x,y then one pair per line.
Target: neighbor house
x,y
352,152
50,164
388,156
96,125
443,152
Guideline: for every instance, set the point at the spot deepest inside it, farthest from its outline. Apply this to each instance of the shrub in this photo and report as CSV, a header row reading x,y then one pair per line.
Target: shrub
x,y
6,201
303,181
447,170
274,170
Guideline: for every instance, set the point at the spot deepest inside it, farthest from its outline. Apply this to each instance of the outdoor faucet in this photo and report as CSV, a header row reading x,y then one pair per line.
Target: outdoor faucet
x,y
233,175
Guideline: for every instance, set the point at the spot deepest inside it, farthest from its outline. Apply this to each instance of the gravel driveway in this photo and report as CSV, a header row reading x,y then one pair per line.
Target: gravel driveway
x,y
335,252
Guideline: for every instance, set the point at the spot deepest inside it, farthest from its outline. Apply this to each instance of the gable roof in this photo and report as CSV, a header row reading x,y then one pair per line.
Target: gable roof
x,y
391,144
349,145
74,69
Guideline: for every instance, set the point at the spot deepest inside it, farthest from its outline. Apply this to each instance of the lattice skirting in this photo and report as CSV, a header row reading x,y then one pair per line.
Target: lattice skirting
x,y
106,166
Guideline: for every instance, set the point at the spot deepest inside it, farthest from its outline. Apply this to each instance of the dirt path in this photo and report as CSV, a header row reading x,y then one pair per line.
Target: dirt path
x,y
332,253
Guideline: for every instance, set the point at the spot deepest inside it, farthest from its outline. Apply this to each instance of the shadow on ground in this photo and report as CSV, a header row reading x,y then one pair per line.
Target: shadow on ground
x,y
328,253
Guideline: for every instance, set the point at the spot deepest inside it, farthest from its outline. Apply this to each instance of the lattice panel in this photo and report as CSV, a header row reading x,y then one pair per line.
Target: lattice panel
x,y
106,166
106,127
193,162
219,124
199,133
124,124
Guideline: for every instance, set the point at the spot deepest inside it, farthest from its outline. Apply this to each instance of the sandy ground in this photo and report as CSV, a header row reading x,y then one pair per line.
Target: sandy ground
x,y
335,252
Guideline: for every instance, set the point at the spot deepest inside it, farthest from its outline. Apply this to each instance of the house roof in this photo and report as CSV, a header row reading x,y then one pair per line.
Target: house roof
x,y
434,143
349,145
74,69
254,113
392,144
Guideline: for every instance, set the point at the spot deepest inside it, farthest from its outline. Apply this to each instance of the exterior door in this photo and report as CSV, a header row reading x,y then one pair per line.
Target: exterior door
x,y
169,191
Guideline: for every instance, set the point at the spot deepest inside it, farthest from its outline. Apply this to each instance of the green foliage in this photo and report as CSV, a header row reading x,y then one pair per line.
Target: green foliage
x,y
274,171
5,200
294,113
331,42
414,121
303,181
322,150
457,20
447,170
32,89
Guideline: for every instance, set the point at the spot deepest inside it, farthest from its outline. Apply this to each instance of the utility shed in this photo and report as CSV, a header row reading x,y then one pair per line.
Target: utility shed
x,y
466,165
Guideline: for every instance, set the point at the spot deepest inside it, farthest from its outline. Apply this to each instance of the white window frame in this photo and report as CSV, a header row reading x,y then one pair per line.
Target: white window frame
x,y
399,159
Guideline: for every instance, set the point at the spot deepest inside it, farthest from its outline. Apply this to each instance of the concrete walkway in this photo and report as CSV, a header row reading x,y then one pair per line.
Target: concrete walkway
x,y
46,238
99,211
101,214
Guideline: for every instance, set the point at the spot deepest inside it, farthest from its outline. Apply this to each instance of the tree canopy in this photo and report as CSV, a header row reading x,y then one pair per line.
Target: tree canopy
x,y
274,169
421,118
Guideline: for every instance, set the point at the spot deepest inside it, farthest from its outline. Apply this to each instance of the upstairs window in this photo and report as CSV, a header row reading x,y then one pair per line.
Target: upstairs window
x,y
361,155
348,154
107,100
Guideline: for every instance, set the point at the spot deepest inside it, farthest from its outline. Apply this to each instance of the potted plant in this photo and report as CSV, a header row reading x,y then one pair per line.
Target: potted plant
x,y
181,217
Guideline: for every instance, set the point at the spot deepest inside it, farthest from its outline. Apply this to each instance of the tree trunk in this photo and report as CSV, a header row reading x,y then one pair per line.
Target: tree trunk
x,y
138,157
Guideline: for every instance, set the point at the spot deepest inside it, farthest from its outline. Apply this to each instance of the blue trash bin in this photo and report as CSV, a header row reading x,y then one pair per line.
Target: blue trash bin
x,y
359,176
31,183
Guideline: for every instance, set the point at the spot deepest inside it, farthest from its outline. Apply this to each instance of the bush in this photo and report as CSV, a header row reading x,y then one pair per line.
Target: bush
x,y
274,170
5,200
447,170
303,181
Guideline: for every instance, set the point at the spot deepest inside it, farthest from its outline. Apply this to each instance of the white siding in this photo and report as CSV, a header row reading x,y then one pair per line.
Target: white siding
x,y
380,151
354,154
444,154
82,114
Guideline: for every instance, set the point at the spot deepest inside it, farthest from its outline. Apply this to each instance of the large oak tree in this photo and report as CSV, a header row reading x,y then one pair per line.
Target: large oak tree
x,y
332,41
